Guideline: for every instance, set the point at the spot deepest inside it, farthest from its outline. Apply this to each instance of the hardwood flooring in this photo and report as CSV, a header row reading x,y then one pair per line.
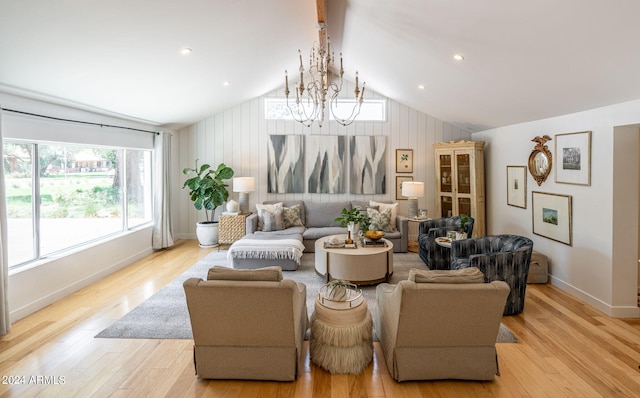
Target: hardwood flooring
x,y
565,349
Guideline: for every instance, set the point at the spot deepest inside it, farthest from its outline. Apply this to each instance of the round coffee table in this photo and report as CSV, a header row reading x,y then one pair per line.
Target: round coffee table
x,y
362,265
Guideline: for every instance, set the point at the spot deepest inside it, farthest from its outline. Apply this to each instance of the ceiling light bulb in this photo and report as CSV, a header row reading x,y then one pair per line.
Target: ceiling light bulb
x,y
186,51
421,86
226,83
458,57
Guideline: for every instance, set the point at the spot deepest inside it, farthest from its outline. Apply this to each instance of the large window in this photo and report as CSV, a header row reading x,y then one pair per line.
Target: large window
x,y
60,196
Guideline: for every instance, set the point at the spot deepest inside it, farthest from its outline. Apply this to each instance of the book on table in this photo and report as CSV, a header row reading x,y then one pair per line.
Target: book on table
x,y
371,242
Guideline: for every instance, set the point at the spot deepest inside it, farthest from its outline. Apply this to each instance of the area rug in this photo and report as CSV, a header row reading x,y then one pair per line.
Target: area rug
x,y
165,316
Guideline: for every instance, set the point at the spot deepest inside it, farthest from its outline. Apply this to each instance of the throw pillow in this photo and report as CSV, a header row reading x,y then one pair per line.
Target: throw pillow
x,y
260,208
394,211
464,275
291,217
220,273
273,220
380,220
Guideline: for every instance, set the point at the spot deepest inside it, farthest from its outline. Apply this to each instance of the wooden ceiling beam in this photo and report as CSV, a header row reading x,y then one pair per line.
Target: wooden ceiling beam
x,y
321,10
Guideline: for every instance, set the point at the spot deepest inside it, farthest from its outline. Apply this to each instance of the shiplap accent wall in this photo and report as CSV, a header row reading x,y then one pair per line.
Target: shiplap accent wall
x,y
238,137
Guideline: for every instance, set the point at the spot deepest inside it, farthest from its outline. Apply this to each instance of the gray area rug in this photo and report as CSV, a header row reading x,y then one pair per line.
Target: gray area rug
x,y
165,316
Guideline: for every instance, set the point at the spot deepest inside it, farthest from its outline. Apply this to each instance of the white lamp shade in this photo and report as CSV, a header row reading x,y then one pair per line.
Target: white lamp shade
x,y
244,184
413,189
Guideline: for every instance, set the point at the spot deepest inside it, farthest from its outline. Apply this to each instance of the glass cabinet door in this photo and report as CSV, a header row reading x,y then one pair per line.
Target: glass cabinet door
x,y
463,172
445,175
446,206
464,206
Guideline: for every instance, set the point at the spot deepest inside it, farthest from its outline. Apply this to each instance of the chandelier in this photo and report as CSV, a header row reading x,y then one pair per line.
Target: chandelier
x,y
311,98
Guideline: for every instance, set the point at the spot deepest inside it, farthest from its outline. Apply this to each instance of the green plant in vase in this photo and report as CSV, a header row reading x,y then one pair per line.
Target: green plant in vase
x,y
462,230
351,219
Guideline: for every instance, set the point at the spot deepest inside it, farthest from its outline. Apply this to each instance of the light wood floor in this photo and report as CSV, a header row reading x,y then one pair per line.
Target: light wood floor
x,y
565,349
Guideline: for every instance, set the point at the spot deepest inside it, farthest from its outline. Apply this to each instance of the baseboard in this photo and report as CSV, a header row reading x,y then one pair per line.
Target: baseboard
x,y
59,294
609,310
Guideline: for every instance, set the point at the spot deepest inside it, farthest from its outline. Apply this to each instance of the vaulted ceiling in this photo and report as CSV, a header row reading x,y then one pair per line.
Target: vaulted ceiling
x,y
522,60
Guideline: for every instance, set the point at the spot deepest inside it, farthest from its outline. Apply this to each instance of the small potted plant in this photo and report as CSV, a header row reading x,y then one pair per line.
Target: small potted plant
x,y
352,219
207,190
462,230
337,290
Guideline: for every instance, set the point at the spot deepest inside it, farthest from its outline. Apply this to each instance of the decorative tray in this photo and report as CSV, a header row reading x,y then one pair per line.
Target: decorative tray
x,y
340,245
353,299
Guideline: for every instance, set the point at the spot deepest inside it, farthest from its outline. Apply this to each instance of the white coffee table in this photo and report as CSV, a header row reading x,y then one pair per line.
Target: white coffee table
x,y
362,266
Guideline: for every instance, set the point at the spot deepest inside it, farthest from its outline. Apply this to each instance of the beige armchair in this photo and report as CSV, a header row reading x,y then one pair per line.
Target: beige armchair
x,y
440,325
247,324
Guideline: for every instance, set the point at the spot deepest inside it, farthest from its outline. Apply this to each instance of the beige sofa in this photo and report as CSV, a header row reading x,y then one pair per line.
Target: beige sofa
x,y
247,324
440,325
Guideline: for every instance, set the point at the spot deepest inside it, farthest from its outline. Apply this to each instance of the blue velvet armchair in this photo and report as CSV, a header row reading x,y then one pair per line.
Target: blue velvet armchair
x,y
434,256
499,257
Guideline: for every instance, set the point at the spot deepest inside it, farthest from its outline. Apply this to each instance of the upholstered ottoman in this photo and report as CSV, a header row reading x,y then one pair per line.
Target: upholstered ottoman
x,y
341,339
256,251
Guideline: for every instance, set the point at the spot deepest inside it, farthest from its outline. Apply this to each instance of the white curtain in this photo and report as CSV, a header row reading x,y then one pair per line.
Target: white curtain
x,y
5,321
162,231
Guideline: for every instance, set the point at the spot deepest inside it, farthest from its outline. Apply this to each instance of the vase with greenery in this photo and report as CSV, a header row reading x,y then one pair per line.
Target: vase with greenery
x,y
208,191
353,218
462,230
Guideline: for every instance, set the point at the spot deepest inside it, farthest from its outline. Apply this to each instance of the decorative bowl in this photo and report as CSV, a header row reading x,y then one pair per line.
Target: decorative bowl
x,y
374,235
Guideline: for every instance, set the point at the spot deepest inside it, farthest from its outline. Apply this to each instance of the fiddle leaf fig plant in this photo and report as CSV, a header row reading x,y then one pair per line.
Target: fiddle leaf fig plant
x,y
207,189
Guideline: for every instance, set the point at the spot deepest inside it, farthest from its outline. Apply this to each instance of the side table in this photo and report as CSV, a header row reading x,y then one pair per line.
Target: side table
x,y
341,340
232,227
414,230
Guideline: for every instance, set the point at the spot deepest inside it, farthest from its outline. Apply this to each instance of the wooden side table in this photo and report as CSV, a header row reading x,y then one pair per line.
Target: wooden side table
x,y
414,230
232,227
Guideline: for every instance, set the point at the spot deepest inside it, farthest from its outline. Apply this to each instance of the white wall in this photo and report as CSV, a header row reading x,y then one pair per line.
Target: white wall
x,y
38,285
600,267
238,137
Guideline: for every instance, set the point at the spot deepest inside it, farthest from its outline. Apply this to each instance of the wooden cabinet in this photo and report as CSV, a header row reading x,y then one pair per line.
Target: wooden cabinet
x,y
460,181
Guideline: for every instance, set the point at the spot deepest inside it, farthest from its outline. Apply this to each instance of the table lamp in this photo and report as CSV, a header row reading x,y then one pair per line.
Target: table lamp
x,y
244,185
413,190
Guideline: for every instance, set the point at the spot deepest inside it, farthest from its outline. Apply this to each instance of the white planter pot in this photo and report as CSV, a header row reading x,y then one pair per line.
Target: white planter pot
x,y
353,228
207,233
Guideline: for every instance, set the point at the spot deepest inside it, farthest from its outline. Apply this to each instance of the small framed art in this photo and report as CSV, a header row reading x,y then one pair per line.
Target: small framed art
x,y
404,160
552,216
573,155
517,186
399,181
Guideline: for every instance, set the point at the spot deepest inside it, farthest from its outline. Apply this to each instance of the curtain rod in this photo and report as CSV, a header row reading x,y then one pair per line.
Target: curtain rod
x,y
81,122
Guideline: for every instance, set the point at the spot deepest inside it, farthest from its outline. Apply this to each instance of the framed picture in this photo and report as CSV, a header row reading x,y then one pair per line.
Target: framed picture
x,y
552,216
404,160
573,156
517,186
399,181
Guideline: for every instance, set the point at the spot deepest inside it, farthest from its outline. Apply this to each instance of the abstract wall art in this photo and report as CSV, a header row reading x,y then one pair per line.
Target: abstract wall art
x,y
285,164
326,163
368,172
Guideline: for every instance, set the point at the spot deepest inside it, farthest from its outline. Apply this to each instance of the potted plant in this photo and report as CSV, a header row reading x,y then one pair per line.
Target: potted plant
x,y
462,230
207,190
337,289
352,219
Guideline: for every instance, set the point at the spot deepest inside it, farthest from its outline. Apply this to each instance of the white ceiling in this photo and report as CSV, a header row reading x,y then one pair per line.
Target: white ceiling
x,y
524,60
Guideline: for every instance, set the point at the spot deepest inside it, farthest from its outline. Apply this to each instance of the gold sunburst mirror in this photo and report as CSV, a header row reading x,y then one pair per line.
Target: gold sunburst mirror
x,y
540,160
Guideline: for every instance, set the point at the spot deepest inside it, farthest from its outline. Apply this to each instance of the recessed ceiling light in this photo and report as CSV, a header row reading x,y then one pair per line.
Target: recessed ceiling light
x,y
458,57
226,83
421,86
186,51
